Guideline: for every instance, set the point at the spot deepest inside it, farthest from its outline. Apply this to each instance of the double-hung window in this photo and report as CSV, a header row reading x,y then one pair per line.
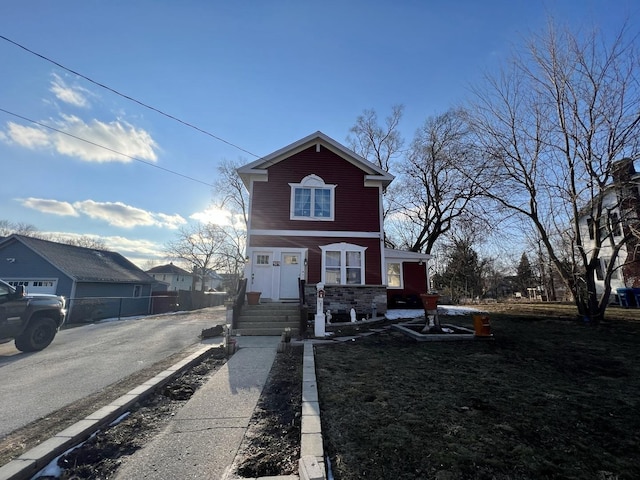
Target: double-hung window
x,y
312,199
394,279
343,264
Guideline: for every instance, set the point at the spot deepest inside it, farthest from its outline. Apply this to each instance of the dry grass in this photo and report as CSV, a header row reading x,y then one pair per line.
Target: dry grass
x,y
548,398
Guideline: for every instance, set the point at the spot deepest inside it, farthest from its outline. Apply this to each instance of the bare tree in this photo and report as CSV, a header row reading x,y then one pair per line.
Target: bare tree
x,y
378,144
552,125
8,228
205,247
230,193
437,183
87,241
84,241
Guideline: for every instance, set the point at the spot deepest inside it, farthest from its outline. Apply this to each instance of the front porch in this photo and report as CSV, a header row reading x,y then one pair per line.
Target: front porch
x,y
272,317
268,319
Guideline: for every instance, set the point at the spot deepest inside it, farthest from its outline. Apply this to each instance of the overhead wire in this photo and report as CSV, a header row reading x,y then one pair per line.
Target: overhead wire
x,y
105,147
128,97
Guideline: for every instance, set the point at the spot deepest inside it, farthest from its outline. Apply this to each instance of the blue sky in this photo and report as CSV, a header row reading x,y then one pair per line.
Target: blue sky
x,y
258,74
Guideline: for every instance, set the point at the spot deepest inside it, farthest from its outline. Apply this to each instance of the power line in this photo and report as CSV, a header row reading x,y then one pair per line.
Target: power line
x,y
128,97
106,148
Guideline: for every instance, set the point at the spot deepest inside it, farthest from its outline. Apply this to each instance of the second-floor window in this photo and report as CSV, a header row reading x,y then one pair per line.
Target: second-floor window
x,y
312,199
607,225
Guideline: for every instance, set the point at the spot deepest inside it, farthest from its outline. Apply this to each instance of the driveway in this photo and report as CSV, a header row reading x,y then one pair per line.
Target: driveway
x,y
84,360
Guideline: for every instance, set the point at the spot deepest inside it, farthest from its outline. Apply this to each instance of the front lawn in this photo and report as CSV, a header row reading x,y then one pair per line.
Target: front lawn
x,y
547,398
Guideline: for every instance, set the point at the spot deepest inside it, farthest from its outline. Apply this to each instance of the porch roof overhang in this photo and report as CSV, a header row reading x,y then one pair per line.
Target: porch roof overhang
x,y
401,255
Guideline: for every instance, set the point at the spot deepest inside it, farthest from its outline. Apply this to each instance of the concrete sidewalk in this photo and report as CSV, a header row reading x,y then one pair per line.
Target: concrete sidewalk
x,y
203,439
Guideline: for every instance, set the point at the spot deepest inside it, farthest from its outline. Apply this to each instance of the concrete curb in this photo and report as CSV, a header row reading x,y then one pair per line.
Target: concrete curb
x,y
311,465
34,460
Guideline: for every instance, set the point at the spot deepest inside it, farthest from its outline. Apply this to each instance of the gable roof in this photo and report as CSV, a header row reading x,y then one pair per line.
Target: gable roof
x,y
170,269
84,264
257,169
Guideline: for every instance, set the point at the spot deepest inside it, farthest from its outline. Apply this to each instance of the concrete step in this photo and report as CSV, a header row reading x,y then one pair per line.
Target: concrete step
x,y
255,310
266,331
268,319
275,324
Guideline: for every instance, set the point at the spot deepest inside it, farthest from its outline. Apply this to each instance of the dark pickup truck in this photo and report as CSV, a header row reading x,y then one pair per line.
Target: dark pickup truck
x,y
31,320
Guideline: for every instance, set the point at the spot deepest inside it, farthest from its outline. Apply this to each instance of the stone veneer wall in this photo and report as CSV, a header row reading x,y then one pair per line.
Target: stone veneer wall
x,y
342,298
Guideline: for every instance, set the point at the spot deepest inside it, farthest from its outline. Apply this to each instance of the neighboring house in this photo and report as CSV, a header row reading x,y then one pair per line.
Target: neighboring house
x,y
621,203
174,277
229,282
97,283
316,214
212,281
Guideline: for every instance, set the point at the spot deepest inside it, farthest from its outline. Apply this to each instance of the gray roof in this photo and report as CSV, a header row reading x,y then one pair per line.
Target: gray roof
x,y
84,264
170,268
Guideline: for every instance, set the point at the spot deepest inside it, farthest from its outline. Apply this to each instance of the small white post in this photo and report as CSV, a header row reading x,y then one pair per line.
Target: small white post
x,y
319,320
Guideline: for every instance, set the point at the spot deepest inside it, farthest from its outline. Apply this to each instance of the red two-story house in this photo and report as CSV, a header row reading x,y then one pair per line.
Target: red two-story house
x,y
316,214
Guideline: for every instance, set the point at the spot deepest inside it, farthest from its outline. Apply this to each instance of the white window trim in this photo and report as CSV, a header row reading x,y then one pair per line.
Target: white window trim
x,y
401,286
343,248
312,182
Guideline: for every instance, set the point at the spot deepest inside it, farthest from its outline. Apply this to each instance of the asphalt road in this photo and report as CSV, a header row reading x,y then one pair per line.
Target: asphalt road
x,y
83,360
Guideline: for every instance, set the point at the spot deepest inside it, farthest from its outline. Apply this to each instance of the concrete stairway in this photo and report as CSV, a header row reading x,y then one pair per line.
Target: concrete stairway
x,y
268,319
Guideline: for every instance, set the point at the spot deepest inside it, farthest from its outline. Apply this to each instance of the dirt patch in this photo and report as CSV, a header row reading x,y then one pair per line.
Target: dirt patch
x,y
101,455
546,399
271,445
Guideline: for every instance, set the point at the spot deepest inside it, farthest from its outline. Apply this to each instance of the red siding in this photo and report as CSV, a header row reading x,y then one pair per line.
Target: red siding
x,y
373,273
414,277
356,206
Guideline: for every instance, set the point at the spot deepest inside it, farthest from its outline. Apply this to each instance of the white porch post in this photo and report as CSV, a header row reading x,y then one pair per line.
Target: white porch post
x,y
320,319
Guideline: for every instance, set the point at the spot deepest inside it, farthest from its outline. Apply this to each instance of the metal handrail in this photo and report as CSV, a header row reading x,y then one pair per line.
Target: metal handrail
x,y
238,302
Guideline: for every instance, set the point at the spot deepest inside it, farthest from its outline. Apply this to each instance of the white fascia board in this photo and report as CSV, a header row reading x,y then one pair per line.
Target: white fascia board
x,y
249,175
314,233
391,253
376,180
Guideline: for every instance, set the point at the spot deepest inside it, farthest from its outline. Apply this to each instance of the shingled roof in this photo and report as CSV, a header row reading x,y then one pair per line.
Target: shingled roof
x,y
84,264
170,269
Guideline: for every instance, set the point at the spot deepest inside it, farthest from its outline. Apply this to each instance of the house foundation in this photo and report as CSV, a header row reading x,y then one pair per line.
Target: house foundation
x,y
367,300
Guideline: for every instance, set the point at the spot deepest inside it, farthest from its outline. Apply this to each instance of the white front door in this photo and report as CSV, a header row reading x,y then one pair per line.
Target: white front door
x,y
261,273
290,269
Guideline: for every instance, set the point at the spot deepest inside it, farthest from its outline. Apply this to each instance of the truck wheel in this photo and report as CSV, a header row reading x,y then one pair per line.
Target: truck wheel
x,y
38,335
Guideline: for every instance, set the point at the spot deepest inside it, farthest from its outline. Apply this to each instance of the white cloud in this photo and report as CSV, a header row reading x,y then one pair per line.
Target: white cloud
x,y
116,214
64,209
75,95
215,215
172,222
117,137
138,251
29,137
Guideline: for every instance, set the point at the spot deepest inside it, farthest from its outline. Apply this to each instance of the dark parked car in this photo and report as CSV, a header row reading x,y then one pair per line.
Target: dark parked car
x,y
31,320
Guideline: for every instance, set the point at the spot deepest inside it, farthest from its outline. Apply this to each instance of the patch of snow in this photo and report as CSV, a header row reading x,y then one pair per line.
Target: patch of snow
x,y
120,418
52,470
401,314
